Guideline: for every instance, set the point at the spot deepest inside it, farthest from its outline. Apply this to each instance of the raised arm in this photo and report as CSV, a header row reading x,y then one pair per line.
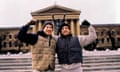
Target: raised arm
x,y
87,39
27,37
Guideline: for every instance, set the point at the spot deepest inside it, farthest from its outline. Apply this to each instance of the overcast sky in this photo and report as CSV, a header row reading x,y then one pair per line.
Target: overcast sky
x,y
15,13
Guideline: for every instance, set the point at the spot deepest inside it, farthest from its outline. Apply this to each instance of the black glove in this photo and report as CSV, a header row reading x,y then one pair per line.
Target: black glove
x,y
32,22
85,23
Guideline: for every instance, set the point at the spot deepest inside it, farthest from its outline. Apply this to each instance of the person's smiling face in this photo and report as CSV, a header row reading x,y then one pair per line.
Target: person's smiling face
x,y
48,29
65,30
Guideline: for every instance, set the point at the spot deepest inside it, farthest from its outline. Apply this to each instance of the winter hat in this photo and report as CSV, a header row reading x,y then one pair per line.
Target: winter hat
x,y
46,23
64,24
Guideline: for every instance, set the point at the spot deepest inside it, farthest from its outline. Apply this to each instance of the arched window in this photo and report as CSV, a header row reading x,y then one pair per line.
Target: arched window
x,y
4,44
97,33
108,40
4,37
118,32
10,36
102,40
112,32
16,43
10,44
102,33
118,39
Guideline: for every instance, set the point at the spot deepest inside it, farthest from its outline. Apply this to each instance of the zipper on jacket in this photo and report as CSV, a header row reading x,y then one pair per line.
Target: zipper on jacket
x,y
68,51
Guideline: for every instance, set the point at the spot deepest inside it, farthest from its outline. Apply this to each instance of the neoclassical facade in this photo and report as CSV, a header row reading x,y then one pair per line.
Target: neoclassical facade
x,y
57,14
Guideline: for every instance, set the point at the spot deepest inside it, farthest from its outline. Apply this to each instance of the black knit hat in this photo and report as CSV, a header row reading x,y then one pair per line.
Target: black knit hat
x,y
46,23
64,24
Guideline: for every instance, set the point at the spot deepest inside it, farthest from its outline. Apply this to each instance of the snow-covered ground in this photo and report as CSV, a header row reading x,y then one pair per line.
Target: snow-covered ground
x,y
20,55
106,52
85,53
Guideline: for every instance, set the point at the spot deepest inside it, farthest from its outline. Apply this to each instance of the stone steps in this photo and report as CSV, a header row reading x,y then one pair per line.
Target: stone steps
x,y
15,65
101,63
98,63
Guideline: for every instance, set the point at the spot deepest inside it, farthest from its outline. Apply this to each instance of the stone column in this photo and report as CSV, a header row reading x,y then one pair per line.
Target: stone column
x,y
33,28
39,25
78,27
72,27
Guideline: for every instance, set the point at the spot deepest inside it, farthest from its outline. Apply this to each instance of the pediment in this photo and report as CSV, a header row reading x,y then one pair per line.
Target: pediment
x,y
55,9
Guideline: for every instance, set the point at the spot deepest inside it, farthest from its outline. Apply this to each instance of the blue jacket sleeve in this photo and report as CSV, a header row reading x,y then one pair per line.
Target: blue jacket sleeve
x,y
28,38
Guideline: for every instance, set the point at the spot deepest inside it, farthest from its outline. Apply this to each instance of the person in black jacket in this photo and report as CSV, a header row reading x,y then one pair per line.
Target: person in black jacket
x,y
43,46
69,48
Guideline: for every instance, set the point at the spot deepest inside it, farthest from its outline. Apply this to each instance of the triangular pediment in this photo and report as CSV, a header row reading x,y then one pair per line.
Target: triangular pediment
x,y
55,9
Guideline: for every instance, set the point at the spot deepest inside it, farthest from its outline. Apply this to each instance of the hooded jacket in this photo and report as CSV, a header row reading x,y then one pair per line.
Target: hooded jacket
x,y
43,48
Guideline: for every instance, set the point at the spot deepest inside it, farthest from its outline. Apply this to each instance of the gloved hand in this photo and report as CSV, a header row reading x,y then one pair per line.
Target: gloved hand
x,y
32,22
85,23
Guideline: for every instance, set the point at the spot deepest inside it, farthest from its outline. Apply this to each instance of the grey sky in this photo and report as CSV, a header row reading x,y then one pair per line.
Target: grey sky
x,y
15,13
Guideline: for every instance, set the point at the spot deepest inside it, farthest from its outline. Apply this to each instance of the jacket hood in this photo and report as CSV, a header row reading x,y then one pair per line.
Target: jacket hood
x,y
47,23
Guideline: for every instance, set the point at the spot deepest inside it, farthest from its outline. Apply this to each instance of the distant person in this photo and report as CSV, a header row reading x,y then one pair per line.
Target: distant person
x,y
69,48
43,46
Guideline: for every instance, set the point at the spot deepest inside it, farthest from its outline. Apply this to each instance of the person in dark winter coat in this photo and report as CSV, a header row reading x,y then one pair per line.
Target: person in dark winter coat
x,y
43,46
69,48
